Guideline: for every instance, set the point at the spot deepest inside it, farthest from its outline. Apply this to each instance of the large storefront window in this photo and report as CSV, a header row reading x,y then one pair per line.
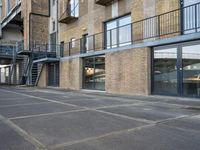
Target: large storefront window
x,y
165,71
118,32
176,70
94,73
191,70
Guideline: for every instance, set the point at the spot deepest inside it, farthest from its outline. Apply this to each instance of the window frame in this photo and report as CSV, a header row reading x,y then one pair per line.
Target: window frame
x,y
117,19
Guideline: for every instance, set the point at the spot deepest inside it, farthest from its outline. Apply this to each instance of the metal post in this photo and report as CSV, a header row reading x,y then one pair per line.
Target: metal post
x,y
196,20
132,33
46,50
69,48
94,42
159,26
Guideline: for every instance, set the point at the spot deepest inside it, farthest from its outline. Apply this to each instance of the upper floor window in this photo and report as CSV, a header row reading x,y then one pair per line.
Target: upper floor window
x,y
53,2
73,7
72,43
54,25
118,32
8,6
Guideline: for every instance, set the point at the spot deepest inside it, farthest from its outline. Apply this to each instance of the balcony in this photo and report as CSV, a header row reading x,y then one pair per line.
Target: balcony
x,y
104,2
46,53
70,14
179,22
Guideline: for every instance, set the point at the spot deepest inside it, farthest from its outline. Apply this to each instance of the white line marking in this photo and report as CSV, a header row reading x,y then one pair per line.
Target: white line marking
x,y
5,106
47,114
99,137
23,133
45,99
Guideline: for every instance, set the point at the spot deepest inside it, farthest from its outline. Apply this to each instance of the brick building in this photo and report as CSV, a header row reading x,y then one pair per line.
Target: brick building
x,y
118,46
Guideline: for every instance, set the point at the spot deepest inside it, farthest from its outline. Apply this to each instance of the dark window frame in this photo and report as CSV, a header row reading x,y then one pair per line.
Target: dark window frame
x,y
114,19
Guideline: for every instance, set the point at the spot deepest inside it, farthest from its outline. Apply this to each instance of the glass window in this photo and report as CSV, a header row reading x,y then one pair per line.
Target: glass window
x,y
165,71
176,71
73,43
191,70
8,6
74,8
118,32
94,73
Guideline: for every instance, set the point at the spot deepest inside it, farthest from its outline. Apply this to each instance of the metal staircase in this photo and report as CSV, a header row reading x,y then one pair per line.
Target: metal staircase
x,y
34,73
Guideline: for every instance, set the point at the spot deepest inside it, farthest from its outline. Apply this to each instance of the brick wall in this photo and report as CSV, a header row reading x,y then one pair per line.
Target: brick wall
x,y
44,76
71,74
128,72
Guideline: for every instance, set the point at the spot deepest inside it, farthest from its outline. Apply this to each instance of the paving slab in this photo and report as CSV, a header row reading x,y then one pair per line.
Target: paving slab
x,y
26,110
62,128
10,140
195,103
153,111
7,102
10,95
192,123
98,102
151,138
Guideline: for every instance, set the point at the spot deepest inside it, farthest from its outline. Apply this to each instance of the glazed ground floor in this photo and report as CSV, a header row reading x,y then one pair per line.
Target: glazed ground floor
x,y
163,70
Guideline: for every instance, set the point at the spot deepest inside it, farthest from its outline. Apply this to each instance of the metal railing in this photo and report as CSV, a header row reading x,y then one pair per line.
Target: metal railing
x,y
180,21
40,51
7,50
70,11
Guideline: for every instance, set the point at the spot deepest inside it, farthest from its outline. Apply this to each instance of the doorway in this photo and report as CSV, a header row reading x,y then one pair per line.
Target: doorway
x,y
53,74
176,70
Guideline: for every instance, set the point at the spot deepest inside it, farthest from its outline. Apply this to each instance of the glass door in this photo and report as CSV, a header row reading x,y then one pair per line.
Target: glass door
x,y
191,70
176,70
165,71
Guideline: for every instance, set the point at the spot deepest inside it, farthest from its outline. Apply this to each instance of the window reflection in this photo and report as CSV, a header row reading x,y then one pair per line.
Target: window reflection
x,y
118,32
94,73
165,71
191,70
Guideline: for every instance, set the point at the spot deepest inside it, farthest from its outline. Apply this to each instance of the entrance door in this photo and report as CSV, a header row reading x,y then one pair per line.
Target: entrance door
x,y
53,74
176,70
165,71
191,70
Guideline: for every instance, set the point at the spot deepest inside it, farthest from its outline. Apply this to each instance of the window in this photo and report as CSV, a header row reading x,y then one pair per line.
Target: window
x,y
8,6
118,32
73,7
94,73
54,25
115,9
53,41
54,1
73,43
176,69
85,43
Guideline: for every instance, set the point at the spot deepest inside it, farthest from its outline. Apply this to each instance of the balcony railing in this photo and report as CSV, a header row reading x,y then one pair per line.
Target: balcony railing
x,y
41,51
70,14
177,22
7,50
104,2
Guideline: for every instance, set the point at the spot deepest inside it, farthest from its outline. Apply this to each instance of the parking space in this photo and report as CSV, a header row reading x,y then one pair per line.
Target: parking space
x,y
66,120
